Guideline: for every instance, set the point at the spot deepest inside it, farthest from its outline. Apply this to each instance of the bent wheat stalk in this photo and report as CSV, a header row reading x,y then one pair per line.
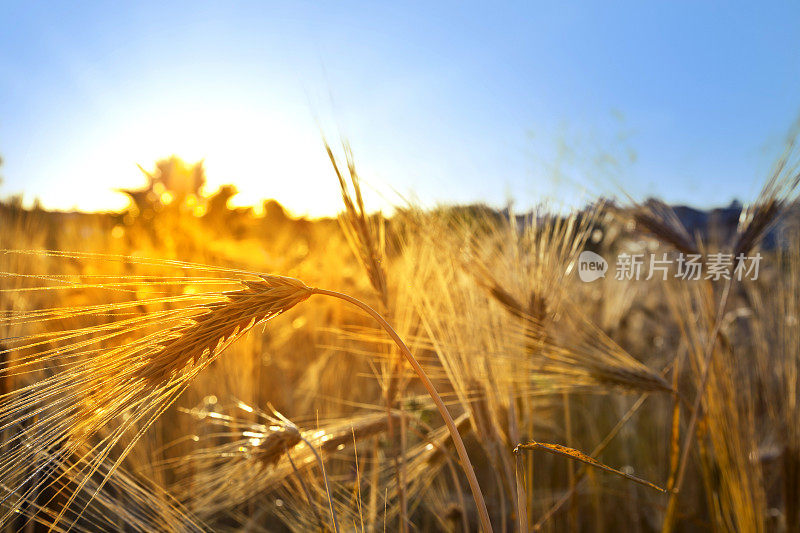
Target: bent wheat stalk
x,y
483,513
577,455
125,388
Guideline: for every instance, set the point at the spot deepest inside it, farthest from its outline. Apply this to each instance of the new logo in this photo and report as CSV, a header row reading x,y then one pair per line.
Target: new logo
x,y
591,266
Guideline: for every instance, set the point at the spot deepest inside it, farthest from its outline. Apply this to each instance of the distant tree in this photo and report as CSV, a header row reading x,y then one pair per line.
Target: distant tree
x,y
217,204
180,179
174,182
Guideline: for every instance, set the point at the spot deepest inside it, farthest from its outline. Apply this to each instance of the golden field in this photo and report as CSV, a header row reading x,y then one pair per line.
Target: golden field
x,y
164,369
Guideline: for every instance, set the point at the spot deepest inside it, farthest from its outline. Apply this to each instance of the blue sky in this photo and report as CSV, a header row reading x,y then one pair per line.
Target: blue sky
x,y
442,102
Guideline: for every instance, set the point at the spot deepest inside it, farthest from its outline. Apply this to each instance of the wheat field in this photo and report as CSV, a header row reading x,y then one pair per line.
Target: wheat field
x,y
186,366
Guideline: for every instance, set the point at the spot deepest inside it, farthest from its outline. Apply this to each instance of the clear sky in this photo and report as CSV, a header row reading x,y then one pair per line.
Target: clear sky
x,y
444,102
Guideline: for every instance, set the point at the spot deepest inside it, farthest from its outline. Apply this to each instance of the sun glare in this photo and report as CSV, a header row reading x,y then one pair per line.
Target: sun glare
x,y
263,154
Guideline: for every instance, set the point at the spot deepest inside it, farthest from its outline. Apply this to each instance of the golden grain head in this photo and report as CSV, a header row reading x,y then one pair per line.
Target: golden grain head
x,y
277,442
205,336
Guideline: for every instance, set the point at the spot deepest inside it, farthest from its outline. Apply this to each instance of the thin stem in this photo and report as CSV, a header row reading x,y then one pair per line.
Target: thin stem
x,y
572,513
451,467
522,511
305,488
697,408
483,513
519,473
327,487
594,453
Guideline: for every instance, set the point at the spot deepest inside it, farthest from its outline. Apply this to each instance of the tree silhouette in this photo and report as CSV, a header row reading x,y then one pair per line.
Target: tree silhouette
x,y
174,182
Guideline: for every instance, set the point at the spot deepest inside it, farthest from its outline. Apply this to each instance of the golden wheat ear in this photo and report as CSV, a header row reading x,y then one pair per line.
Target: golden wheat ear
x,y
659,220
217,324
238,457
365,235
89,387
130,386
778,194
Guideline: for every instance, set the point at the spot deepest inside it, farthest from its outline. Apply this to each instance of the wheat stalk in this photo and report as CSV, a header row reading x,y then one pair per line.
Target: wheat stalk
x,y
92,386
577,455
461,450
147,375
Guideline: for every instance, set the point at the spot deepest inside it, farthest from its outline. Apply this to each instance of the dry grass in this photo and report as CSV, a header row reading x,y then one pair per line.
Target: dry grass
x,y
121,372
